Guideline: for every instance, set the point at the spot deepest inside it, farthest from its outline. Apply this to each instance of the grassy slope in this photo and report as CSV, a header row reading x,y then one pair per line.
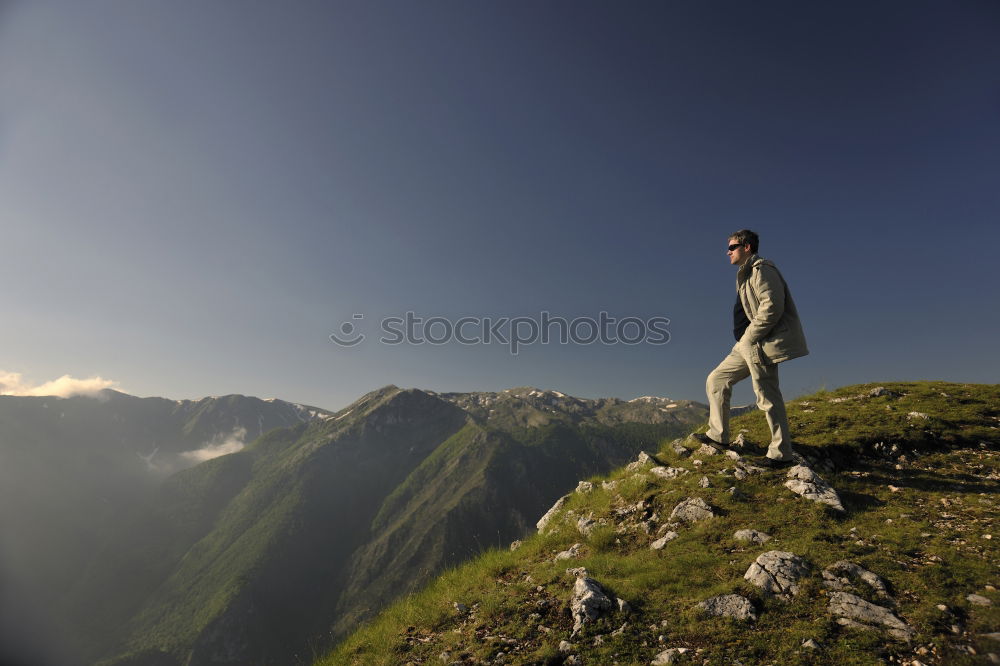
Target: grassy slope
x,y
926,538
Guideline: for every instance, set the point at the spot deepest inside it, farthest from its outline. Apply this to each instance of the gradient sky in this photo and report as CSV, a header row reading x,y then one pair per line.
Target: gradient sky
x,y
194,195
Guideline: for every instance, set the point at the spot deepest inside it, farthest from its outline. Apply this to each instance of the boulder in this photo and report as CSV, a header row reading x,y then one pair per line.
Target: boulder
x,y
729,605
804,481
640,462
853,611
584,487
662,541
777,572
588,603
752,536
670,656
570,553
691,510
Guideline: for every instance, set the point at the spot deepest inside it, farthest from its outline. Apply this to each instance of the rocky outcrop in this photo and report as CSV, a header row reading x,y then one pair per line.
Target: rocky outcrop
x,y
669,656
777,573
544,521
839,576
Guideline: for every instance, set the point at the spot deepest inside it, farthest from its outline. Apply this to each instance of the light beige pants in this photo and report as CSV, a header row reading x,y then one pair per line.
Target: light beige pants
x,y
740,364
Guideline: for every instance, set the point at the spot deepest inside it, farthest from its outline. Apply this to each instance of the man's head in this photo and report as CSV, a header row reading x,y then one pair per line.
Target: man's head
x,y
742,245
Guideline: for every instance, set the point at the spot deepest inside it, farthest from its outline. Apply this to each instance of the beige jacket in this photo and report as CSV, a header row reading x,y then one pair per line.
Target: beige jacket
x,y
775,332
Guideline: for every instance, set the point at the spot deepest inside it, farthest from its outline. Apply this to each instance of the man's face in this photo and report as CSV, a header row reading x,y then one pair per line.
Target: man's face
x,y
739,254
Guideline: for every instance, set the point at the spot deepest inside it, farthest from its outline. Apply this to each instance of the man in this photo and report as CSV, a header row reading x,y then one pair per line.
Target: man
x,y
767,331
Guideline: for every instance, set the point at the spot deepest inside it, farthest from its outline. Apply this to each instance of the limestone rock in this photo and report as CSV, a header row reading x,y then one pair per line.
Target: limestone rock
x,y
804,481
668,472
810,644
566,646
732,455
584,487
838,576
752,536
586,525
570,553
670,656
691,510
661,542
704,482
729,605
777,572
853,611
640,462
514,545
679,449
589,602
978,600
707,450
550,514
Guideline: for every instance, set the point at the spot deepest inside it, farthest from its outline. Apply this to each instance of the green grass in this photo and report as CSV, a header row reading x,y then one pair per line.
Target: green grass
x,y
917,519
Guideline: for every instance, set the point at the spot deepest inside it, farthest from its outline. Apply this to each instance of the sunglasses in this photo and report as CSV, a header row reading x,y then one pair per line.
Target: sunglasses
x,y
735,245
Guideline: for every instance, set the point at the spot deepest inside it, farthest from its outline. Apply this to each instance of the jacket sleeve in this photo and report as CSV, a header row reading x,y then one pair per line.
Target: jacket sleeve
x,y
769,289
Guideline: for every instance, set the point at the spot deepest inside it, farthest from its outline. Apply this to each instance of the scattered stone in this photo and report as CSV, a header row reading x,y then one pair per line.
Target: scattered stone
x,y
550,514
691,510
740,474
697,463
729,605
748,468
668,472
804,481
679,449
739,442
515,545
609,485
623,606
577,572
752,536
584,487
880,391
810,644
461,608
995,636
704,482
776,573
586,525
572,552
620,630
588,603
566,646
838,576
978,600
732,455
572,659
737,494
853,611
670,656
917,415
640,462
707,450
660,543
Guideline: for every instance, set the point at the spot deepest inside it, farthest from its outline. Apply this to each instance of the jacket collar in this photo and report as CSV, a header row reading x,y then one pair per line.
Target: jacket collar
x,y
744,272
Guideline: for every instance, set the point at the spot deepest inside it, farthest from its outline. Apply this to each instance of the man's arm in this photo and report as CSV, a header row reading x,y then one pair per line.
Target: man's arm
x,y
769,289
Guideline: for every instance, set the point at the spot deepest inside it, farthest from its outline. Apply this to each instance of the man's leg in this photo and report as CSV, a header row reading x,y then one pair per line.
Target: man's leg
x,y
719,388
769,400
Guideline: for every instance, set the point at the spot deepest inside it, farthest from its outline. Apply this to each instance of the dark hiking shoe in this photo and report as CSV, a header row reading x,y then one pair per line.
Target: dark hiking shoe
x,y
771,463
705,439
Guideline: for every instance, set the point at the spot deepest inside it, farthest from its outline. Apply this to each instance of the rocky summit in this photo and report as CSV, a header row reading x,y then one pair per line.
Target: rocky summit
x,y
878,546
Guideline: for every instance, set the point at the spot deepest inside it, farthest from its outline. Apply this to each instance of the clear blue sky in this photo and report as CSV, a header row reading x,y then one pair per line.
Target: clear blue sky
x,y
194,195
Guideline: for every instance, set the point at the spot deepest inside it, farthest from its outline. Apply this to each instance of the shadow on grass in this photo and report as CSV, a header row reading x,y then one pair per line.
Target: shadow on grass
x,y
927,480
859,502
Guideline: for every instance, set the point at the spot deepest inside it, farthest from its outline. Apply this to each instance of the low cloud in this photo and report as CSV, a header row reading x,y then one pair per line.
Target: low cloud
x,y
217,446
11,383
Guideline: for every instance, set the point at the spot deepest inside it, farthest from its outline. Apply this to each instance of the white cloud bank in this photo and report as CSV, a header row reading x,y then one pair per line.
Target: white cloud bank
x,y
64,387
218,446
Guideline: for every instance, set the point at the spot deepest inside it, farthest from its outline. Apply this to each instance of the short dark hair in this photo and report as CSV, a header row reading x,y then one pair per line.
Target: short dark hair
x,y
746,237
